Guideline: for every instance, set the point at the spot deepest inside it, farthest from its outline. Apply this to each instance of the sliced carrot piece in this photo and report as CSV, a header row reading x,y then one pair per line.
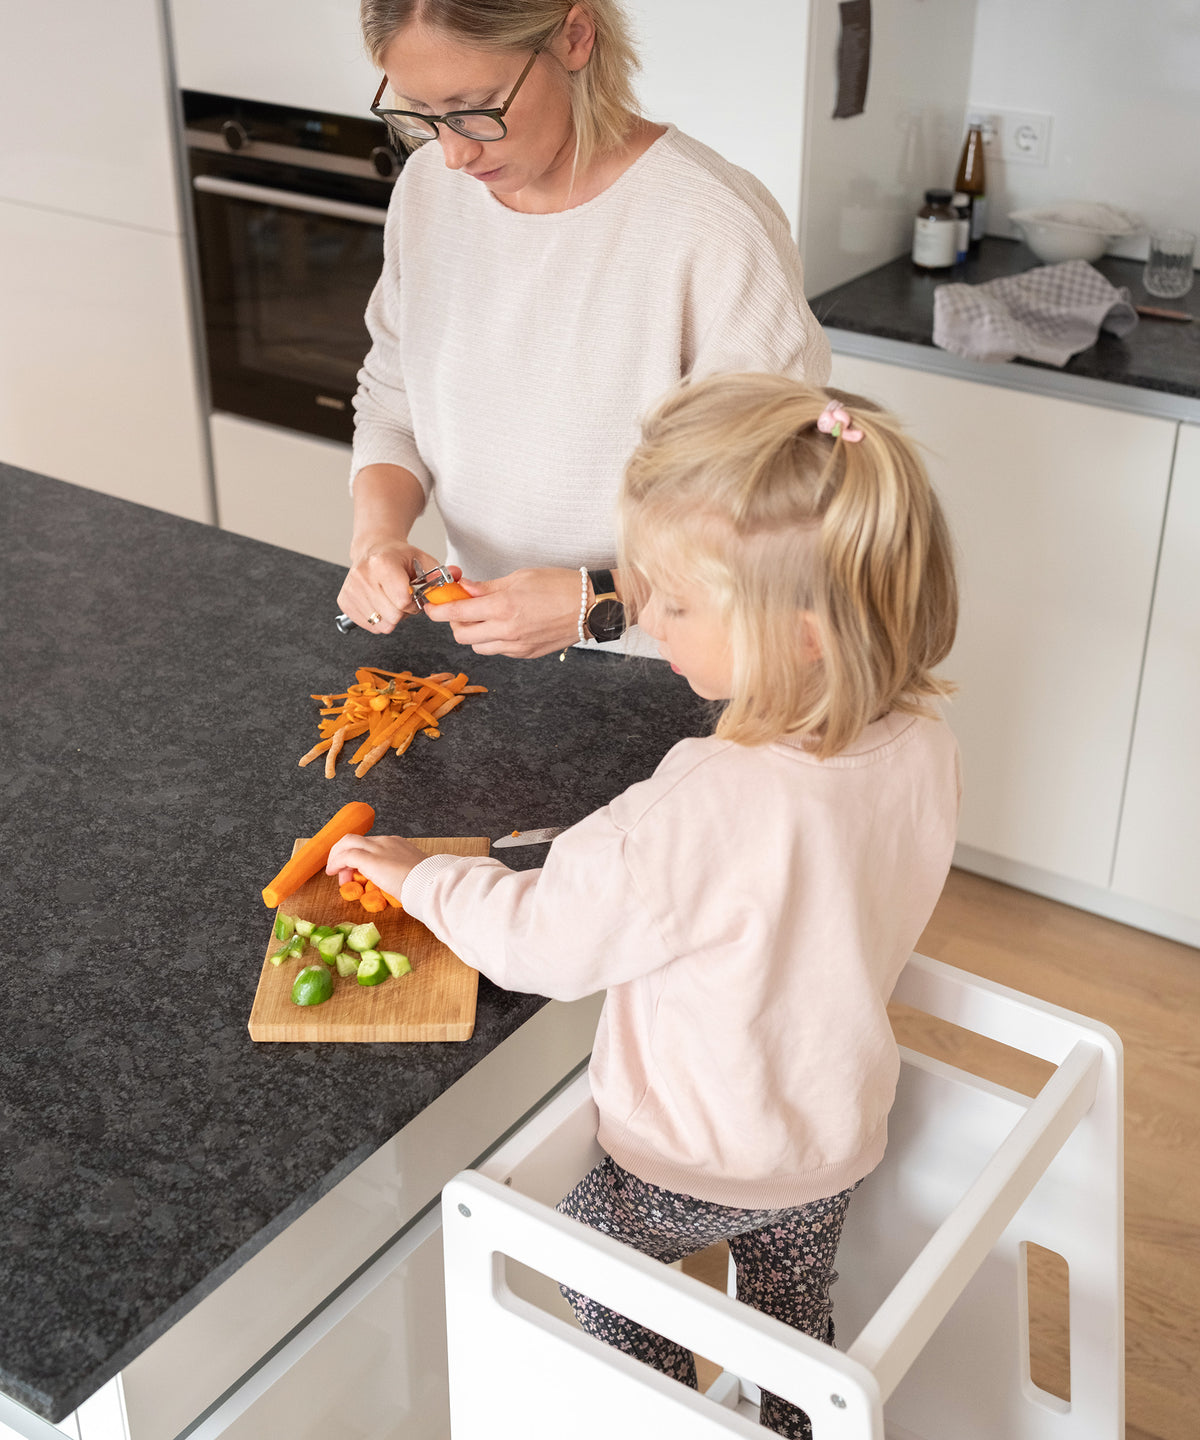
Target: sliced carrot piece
x,y
373,904
391,900
351,890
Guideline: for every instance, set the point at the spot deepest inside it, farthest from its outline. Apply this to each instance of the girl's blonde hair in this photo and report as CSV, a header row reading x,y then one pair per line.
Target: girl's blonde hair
x,y
603,105
735,489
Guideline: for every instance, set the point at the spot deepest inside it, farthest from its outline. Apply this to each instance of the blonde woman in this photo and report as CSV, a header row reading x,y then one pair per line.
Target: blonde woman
x,y
750,906
554,262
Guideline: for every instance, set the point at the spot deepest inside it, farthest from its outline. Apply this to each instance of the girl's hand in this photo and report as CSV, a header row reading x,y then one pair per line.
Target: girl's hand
x,y
522,615
379,584
386,859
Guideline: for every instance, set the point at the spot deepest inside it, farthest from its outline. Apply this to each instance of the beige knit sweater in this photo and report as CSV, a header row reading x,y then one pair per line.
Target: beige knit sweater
x,y
748,910
514,355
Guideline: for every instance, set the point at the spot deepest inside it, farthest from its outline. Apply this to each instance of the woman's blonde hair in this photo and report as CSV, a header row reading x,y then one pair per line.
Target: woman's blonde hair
x,y
734,488
603,105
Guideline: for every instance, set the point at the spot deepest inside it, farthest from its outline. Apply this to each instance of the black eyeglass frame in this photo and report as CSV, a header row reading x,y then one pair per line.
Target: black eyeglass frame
x,y
496,114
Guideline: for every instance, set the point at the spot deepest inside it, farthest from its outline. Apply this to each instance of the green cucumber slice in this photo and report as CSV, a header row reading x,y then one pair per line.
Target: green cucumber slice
x,y
396,963
371,969
304,927
363,937
329,947
347,964
285,926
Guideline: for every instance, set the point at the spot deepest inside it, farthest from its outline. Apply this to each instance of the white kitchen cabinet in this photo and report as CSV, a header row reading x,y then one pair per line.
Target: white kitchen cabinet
x,y
1158,856
1056,509
85,109
98,380
292,490
306,53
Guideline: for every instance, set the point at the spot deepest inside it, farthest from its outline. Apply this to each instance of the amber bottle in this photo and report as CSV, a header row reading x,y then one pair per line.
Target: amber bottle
x,y
971,181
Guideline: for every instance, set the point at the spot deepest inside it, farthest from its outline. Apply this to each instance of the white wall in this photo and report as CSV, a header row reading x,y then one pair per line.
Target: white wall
x,y
1121,82
733,77
865,177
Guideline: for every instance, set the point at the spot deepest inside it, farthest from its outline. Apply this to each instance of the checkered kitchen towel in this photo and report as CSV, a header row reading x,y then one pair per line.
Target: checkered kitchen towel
x,y
1049,314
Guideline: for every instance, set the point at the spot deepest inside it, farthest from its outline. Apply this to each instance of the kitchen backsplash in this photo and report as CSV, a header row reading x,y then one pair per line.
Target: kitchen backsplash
x,y
1121,85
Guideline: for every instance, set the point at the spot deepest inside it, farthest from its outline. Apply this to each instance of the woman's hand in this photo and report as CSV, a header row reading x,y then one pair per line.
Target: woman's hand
x,y
522,615
386,859
379,583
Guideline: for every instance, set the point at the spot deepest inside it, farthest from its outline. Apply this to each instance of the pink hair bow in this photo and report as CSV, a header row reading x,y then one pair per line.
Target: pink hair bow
x,y
835,421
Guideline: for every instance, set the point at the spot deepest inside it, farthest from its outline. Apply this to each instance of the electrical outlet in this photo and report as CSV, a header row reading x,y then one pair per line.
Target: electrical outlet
x,y
1016,136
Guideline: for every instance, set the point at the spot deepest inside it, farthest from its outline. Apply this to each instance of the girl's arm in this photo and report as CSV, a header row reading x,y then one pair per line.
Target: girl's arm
x,y
578,925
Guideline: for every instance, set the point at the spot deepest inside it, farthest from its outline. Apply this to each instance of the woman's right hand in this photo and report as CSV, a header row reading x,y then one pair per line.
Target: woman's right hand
x,y
379,583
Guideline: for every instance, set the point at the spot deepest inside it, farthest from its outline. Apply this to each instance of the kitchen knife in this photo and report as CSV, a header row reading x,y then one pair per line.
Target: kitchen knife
x,y
528,837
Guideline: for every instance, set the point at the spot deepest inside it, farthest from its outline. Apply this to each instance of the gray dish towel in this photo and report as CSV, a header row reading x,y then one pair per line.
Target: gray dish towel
x,y
1049,314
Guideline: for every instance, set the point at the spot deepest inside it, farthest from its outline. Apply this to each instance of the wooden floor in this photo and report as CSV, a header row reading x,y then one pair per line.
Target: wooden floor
x,y
1148,990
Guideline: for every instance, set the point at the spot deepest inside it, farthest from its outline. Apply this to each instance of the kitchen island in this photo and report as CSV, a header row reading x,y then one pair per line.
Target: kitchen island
x,y
170,1188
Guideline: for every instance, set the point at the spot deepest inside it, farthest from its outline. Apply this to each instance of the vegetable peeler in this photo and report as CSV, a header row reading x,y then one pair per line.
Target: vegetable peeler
x,y
429,587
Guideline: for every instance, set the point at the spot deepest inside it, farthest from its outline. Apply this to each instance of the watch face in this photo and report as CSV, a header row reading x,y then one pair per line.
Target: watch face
x,y
606,620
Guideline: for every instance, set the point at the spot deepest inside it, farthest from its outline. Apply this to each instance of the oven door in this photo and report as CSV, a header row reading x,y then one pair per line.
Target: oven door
x,y
288,259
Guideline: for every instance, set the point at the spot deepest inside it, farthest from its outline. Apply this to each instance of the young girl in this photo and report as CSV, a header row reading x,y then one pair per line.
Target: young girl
x,y
749,907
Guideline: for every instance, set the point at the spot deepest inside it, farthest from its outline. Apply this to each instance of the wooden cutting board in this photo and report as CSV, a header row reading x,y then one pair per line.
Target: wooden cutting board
x,y
435,1001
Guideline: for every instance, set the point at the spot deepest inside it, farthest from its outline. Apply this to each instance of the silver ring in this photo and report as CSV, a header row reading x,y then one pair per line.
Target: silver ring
x,y
374,618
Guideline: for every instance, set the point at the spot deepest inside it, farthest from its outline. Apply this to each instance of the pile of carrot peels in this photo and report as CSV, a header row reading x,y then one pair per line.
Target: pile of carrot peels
x,y
385,709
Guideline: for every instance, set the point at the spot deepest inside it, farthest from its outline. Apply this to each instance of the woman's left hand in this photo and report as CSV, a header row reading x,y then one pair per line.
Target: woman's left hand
x,y
522,615
386,859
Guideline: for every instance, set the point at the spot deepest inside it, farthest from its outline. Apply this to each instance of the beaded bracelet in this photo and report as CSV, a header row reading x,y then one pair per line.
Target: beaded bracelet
x,y
583,584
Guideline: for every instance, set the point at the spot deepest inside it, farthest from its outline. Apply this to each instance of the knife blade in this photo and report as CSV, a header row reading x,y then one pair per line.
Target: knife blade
x,y
528,837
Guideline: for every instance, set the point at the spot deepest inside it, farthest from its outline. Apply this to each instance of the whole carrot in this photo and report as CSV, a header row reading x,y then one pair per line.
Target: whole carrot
x,y
356,818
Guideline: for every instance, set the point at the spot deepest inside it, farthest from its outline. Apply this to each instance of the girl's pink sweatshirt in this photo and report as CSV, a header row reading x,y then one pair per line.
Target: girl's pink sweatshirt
x,y
748,910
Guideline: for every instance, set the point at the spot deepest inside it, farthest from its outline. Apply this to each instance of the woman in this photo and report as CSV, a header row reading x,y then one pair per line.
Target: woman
x,y
540,291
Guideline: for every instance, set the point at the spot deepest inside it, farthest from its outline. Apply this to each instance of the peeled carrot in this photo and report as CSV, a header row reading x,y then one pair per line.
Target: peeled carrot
x,y
441,593
356,818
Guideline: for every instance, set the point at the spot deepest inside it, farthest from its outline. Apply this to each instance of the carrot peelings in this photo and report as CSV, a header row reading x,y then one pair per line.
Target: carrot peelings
x,y
356,818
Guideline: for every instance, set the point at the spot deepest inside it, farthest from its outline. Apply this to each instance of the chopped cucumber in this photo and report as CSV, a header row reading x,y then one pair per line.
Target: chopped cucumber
x,y
371,969
347,964
322,932
304,927
313,986
345,926
396,963
363,937
291,951
329,947
285,926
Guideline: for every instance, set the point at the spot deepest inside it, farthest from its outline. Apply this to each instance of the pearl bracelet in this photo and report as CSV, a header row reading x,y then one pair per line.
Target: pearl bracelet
x,y
583,587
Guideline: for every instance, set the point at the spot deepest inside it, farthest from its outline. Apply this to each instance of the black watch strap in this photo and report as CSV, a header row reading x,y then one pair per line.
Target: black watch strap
x,y
602,583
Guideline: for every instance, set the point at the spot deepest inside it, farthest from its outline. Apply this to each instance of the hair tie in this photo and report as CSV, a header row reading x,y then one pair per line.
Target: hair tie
x,y
835,421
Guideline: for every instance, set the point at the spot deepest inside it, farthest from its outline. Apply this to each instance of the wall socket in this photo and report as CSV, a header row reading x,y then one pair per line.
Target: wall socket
x,y
1015,136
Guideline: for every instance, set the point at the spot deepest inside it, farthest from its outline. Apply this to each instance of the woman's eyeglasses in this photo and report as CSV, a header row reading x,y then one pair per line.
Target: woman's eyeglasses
x,y
474,124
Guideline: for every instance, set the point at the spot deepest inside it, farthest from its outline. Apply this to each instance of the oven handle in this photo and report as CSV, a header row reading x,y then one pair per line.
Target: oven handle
x,y
289,200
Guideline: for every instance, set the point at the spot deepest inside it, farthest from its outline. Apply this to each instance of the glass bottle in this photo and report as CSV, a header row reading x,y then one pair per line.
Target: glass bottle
x,y
935,232
971,180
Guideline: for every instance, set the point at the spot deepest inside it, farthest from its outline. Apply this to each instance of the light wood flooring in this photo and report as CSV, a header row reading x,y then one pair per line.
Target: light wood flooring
x,y
1148,990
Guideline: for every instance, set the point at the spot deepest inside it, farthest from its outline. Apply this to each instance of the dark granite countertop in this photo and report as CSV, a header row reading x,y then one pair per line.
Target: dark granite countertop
x,y
155,700
895,302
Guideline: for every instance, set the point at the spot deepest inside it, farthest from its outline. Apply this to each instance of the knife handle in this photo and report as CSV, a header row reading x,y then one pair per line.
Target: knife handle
x,y
344,623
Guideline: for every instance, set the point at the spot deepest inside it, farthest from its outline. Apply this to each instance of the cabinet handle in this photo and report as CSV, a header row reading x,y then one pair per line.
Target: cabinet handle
x,y
289,200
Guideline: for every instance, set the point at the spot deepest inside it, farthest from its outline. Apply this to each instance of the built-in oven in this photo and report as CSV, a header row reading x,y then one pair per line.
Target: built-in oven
x,y
289,207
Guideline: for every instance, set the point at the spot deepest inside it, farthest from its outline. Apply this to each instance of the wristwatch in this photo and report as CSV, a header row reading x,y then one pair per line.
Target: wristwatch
x,y
605,618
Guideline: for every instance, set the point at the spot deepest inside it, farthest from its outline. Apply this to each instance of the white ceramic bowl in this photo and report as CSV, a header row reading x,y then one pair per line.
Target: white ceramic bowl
x,y
1075,231
1053,243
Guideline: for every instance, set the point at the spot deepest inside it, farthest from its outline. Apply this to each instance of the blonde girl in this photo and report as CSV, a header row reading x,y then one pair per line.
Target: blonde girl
x,y
554,261
749,907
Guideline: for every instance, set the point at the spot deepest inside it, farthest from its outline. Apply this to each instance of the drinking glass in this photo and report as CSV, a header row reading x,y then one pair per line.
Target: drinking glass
x,y
1168,270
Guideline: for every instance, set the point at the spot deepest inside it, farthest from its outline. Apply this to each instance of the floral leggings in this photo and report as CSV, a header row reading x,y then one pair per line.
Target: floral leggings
x,y
784,1261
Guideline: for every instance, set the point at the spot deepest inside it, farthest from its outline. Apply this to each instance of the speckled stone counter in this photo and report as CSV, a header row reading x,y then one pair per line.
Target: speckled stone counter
x,y
155,700
1158,362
